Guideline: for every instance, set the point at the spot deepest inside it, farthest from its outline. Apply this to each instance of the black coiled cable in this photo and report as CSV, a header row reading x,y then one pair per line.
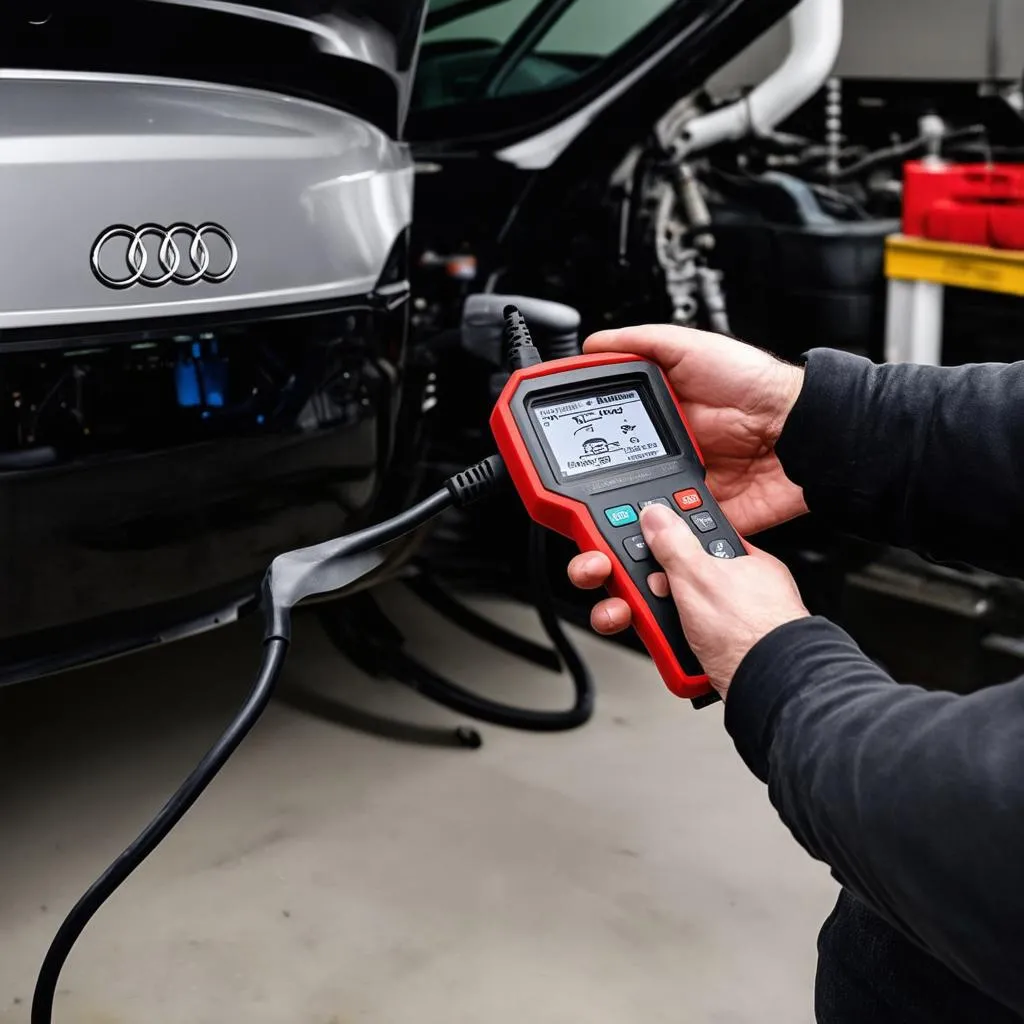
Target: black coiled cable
x,y
458,698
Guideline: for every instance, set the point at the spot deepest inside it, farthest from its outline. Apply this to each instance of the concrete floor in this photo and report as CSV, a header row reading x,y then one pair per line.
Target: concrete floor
x,y
630,871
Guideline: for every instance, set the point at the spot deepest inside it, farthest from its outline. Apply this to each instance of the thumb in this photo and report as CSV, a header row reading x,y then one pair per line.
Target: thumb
x,y
671,541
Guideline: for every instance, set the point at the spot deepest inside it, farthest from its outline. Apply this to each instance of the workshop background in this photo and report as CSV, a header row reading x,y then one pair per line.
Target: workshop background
x,y
370,855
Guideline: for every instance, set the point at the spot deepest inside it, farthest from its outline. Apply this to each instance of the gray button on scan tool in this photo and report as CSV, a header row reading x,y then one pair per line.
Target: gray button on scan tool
x,y
704,521
636,548
721,549
657,501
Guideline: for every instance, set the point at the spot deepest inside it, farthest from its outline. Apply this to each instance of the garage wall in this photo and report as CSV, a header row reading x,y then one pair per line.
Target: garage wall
x,y
902,39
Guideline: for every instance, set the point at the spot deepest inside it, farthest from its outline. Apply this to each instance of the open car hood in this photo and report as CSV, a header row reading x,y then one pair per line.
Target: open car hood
x,y
356,55
524,84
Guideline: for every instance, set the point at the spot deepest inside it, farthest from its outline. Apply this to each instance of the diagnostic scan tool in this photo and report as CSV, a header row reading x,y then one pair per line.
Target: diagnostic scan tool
x,y
588,442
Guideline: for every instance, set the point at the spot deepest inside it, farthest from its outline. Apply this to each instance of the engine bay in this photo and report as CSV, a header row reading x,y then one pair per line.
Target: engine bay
x,y
778,240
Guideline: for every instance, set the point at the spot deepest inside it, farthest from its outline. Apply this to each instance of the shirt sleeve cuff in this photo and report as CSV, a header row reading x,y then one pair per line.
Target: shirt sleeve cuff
x,y
815,435
776,671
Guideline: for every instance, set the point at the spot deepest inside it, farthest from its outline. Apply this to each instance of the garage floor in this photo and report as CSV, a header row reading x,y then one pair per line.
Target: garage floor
x,y
631,871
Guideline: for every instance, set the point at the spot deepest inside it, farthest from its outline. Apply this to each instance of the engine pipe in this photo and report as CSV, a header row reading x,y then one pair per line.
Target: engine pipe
x,y
816,32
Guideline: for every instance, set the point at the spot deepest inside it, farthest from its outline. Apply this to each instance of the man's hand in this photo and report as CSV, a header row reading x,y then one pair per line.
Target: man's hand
x,y
726,605
736,399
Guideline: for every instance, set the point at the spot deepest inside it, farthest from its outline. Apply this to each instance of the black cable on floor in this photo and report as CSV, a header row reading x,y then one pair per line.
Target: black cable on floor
x,y
320,569
549,619
153,834
425,681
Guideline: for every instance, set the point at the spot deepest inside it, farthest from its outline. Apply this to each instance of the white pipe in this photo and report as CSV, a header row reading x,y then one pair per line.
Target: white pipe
x,y
816,30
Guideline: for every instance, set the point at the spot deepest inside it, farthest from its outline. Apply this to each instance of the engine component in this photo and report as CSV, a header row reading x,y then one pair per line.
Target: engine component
x,y
683,240
816,30
677,260
833,124
709,280
555,326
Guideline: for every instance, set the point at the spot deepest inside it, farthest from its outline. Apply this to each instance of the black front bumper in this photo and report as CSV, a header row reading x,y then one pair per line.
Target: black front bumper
x,y
121,543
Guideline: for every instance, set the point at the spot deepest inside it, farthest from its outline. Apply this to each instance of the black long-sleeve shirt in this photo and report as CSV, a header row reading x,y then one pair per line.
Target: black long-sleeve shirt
x,y
914,799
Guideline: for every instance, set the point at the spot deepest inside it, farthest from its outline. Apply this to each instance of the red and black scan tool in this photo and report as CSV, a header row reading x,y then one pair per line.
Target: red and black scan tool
x,y
588,442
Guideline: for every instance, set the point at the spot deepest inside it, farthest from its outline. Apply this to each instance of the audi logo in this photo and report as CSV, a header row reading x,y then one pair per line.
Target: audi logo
x,y
154,256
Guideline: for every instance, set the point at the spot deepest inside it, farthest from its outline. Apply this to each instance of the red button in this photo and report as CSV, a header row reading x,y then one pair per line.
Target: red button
x,y
688,500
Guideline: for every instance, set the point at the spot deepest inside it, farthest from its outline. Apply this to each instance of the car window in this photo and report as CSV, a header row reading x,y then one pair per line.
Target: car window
x,y
494,21
465,55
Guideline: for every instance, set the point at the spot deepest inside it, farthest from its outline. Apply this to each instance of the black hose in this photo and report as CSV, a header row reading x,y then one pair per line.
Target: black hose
x,y
899,152
151,836
463,701
332,566
574,662
561,346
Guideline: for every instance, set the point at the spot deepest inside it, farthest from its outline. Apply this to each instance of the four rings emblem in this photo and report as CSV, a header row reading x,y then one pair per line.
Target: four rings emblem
x,y
153,256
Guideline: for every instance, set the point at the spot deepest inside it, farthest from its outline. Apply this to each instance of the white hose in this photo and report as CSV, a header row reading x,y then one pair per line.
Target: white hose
x,y
816,31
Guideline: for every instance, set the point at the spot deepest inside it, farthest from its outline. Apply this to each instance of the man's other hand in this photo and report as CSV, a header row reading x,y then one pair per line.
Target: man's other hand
x,y
726,605
736,399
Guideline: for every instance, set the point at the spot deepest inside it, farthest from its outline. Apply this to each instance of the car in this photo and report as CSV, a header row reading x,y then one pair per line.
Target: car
x,y
203,306
224,333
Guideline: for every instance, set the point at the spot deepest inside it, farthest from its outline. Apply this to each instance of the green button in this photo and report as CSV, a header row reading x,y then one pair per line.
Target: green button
x,y
621,515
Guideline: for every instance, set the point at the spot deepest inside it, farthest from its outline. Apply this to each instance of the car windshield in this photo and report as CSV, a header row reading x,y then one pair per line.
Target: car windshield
x,y
476,50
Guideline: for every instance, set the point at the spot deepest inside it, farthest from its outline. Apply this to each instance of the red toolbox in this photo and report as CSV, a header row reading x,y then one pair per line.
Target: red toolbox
x,y
977,204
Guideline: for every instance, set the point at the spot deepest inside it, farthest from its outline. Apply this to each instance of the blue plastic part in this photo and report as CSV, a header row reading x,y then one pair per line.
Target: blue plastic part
x,y
186,381
200,378
215,376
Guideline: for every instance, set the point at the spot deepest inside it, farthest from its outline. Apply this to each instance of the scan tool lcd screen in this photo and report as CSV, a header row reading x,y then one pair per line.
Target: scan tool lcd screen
x,y
592,432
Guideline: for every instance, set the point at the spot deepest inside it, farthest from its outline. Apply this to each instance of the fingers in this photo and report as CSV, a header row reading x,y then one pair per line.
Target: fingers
x,y
658,582
663,343
610,616
590,570
671,541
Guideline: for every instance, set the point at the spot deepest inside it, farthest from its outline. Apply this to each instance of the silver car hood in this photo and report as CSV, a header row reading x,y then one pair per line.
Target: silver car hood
x,y
309,199
381,33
